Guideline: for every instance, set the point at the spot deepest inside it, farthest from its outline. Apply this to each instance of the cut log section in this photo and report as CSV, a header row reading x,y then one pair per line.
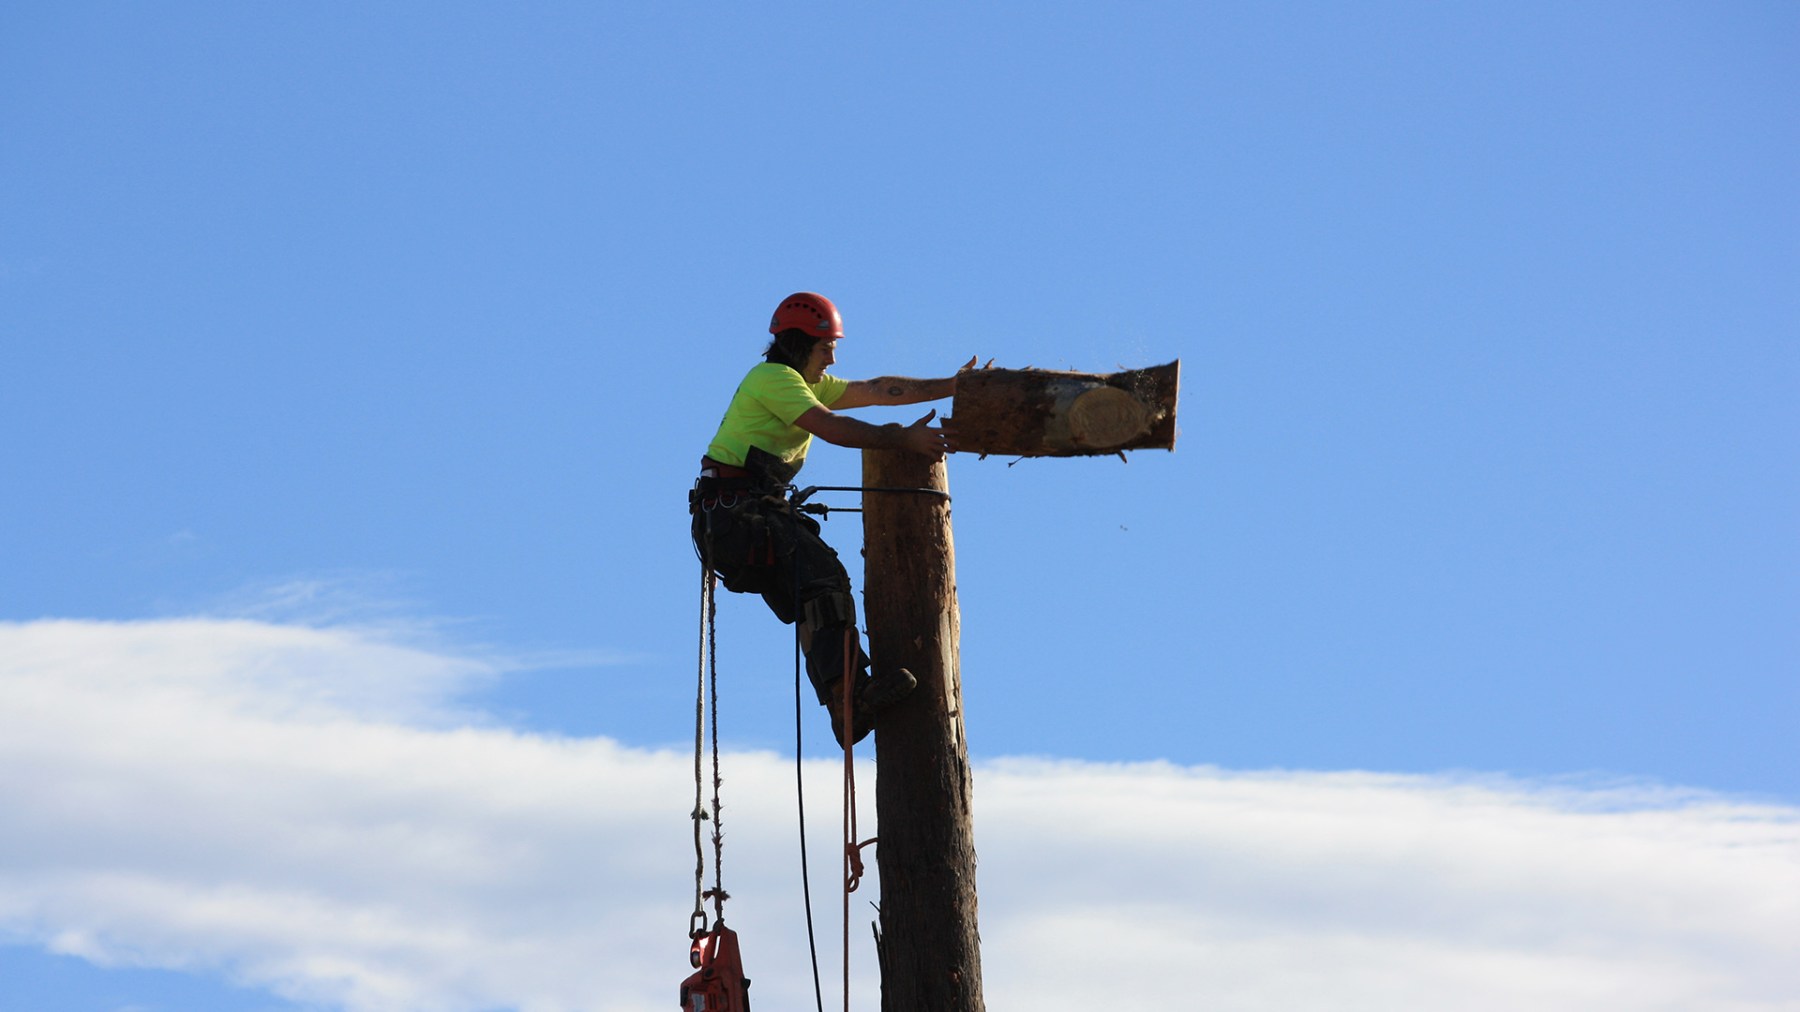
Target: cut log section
x,y
1044,413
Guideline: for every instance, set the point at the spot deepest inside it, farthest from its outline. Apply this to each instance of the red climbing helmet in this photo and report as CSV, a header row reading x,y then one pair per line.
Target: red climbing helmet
x,y
808,311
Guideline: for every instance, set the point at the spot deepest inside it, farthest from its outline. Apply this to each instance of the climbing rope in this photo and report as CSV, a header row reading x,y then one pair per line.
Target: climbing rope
x,y
706,702
853,867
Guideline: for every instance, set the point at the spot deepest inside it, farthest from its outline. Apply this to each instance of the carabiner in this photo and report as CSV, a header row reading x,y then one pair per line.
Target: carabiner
x,y
697,929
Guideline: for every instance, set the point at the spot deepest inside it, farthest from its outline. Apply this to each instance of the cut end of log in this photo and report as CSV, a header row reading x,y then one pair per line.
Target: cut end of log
x,y
1106,418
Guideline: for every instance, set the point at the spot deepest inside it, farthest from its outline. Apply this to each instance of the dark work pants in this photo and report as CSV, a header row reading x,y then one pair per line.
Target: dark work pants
x,y
760,544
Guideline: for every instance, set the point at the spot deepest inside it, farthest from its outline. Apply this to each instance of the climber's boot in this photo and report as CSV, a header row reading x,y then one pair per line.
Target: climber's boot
x,y
884,689
873,695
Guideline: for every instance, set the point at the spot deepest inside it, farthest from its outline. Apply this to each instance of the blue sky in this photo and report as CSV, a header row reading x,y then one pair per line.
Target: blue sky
x,y
416,318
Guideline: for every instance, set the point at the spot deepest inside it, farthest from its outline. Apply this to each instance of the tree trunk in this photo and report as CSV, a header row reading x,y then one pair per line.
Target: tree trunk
x,y
931,950
1041,413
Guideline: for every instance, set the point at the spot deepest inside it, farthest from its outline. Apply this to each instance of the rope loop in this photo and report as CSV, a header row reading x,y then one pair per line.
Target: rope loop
x,y
854,856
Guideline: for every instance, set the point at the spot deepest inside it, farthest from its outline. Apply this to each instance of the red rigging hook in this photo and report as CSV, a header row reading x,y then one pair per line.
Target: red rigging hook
x,y
719,985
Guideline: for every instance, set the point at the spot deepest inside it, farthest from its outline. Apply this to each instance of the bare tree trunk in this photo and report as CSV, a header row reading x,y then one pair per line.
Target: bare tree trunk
x,y
931,950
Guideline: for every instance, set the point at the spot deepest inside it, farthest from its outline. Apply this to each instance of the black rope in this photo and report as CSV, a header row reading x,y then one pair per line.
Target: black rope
x,y
812,943
820,509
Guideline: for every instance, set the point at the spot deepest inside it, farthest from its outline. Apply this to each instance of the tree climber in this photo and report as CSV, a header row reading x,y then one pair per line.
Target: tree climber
x,y
756,541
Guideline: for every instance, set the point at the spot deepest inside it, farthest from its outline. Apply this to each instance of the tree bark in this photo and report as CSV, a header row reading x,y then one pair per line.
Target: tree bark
x,y
931,949
1042,413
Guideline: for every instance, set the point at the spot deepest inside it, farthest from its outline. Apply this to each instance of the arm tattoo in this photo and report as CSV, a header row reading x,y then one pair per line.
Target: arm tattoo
x,y
906,390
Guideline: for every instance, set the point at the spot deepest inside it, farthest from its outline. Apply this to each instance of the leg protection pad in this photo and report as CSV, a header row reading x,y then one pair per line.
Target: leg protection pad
x,y
829,609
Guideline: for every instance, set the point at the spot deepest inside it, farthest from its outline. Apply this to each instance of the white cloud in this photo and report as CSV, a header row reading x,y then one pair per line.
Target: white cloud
x,y
302,809
1361,891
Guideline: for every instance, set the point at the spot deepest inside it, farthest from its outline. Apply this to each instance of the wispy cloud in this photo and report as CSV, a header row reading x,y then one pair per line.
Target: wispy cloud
x,y
368,599
307,810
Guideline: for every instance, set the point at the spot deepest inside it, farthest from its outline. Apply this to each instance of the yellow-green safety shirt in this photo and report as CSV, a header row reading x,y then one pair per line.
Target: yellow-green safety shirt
x,y
762,414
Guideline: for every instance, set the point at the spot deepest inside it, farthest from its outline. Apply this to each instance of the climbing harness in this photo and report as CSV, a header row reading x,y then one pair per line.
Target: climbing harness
x,y
718,983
